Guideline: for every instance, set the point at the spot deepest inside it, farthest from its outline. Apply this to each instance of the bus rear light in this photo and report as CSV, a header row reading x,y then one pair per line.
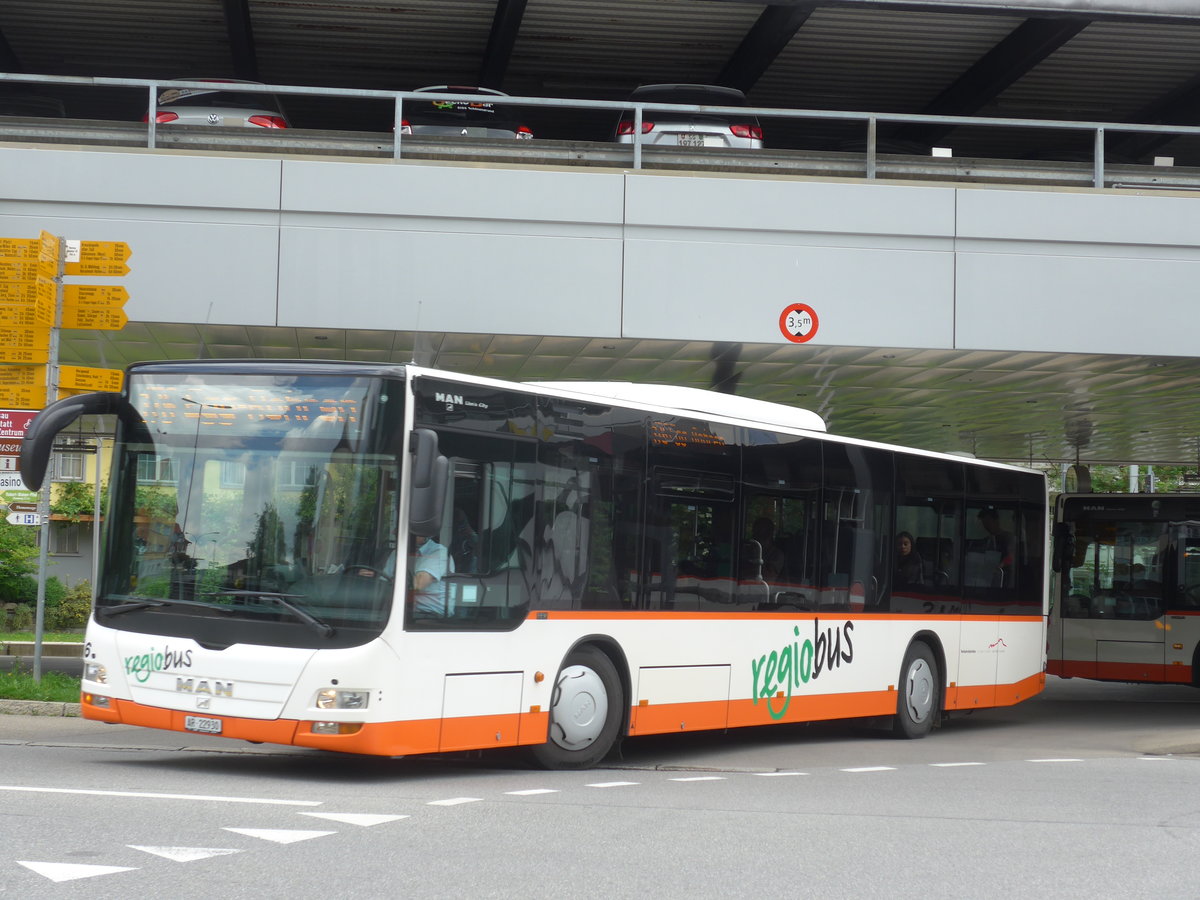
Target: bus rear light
x,y
97,701
336,727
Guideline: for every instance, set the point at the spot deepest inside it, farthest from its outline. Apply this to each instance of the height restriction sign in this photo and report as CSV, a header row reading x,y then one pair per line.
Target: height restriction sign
x,y
798,323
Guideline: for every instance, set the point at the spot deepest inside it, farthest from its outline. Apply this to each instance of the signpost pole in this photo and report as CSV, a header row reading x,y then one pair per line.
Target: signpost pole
x,y
44,495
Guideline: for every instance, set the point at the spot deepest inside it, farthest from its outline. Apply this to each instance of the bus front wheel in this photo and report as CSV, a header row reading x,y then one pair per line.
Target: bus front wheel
x,y
585,712
919,693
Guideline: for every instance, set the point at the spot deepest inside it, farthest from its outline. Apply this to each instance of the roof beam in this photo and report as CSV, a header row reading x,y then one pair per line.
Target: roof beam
x,y
1180,107
764,42
241,39
1024,47
506,23
8,59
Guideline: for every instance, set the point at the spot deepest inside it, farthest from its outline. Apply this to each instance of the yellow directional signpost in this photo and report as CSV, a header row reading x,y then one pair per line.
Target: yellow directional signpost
x,y
95,296
85,378
95,319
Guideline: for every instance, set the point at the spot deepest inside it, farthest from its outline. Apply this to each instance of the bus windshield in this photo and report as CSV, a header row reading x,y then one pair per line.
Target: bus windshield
x,y
254,509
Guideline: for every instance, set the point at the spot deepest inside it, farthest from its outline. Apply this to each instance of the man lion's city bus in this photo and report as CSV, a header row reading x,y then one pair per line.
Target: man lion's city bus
x,y
390,560
1126,598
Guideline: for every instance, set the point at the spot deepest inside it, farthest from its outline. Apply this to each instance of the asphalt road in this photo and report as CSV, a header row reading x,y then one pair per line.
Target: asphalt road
x,y
1088,790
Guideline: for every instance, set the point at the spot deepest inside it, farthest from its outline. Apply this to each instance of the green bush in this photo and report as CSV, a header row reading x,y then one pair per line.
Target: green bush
x,y
72,611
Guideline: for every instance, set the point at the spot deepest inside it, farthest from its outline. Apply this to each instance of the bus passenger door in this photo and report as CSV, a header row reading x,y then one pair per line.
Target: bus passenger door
x,y
1182,621
1111,604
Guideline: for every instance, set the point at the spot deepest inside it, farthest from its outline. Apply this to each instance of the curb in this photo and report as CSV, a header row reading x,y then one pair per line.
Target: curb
x,y
37,708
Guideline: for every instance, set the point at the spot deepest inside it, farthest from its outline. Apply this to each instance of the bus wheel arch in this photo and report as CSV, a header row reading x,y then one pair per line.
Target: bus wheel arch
x,y
588,707
920,689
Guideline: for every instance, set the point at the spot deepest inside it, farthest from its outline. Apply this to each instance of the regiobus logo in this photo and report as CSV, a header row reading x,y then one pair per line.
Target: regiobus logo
x,y
784,670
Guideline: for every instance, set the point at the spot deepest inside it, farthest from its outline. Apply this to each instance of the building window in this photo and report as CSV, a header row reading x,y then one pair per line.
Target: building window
x,y
294,476
64,539
233,474
156,469
70,467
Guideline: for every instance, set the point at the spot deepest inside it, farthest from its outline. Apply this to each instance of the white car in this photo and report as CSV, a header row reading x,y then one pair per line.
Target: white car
x,y
691,129
213,106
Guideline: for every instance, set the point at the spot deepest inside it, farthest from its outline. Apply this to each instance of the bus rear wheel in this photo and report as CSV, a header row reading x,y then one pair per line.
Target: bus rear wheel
x,y
919,693
585,712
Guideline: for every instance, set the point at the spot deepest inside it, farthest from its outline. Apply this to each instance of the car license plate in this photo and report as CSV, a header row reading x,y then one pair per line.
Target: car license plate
x,y
691,140
202,724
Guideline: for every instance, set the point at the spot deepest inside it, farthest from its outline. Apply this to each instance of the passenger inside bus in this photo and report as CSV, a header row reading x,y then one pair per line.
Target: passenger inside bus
x,y
910,568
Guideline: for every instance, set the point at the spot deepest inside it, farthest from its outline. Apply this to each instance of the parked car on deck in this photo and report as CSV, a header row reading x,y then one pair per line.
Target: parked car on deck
x,y
691,129
463,118
214,106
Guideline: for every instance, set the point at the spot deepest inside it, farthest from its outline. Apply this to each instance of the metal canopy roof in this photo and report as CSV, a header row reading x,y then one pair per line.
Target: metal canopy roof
x,y
1099,60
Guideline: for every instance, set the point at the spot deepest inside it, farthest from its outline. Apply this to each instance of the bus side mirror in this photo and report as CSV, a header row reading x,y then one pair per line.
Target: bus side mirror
x,y
40,435
430,478
1063,553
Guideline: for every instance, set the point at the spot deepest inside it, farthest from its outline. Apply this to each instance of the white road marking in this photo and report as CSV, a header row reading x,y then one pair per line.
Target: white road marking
x,y
150,796
531,792
454,801
608,784
701,778
777,774
280,835
872,769
184,854
952,765
71,871
1064,759
366,820
1158,758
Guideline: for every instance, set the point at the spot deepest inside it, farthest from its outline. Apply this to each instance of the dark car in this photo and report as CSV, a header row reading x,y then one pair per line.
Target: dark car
x,y
691,129
463,118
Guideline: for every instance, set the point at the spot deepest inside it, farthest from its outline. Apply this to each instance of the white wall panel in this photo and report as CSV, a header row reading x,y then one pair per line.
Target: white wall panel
x,y
852,211
445,281
1072,304
696,290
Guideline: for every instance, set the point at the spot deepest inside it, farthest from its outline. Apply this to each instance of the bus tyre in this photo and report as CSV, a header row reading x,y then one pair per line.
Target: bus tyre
x,y
585,712
919,693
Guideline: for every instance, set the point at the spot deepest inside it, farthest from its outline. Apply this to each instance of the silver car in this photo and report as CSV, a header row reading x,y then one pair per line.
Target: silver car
x,y
213,106
463,118
691,129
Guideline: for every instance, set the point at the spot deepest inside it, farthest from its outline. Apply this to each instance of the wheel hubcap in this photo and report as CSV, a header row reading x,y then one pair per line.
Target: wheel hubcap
x,y
919,690
580,709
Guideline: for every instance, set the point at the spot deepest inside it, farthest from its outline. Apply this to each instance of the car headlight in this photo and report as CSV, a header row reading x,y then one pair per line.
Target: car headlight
x,y
335,698
95,672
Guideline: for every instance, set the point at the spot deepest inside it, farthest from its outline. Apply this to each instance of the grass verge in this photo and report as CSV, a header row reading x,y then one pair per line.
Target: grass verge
x,y
55,687
46,636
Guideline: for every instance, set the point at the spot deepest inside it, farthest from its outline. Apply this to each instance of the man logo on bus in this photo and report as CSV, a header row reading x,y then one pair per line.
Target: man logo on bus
x,y
783,671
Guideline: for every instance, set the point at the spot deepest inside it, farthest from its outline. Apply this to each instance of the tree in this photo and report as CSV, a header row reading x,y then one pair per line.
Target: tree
x,y
18,563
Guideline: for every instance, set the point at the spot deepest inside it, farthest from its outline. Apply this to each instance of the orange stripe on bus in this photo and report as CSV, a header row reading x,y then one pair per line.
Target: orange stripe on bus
x,y
374,738
481,732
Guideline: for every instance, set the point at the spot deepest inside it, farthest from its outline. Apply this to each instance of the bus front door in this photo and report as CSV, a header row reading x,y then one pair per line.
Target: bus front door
x,y
1112,614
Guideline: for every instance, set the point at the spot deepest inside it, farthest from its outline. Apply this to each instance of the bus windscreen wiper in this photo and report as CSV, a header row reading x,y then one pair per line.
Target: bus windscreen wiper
x,y
323,628
135,603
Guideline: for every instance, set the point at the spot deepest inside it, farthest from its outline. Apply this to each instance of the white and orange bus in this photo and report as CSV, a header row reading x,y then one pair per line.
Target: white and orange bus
x,y
391,560
1126,595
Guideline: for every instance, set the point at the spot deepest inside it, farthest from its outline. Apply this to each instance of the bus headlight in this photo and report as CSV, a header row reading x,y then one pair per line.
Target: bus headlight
x,y
95,672
334,698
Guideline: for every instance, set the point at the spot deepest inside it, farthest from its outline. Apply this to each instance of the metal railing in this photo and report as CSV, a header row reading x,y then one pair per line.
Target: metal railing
x,y
870,121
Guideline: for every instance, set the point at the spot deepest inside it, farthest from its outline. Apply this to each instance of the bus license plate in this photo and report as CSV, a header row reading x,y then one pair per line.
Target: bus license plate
x,y
202,724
